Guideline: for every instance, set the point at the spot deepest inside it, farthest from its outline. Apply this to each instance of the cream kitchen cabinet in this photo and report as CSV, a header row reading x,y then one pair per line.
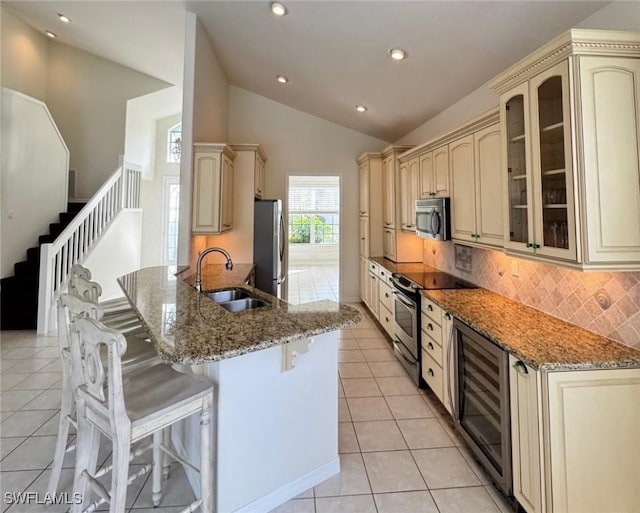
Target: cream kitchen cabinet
x,y
476,187
373,300
437,353
259,177
212,198
370,204
364,281
409,190
575,447
397,245
434,173
252,157
570,116
385,301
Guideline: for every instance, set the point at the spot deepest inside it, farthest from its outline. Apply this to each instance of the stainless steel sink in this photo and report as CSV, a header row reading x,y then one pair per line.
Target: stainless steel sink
x,y
240,305
225,295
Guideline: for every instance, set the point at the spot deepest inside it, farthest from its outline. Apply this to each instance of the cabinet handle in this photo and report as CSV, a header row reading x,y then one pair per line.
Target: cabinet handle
x,y
363,211
226,225
520,367
386,294
430,372
430,326
430,346
361,238
430,308
447,316
386,319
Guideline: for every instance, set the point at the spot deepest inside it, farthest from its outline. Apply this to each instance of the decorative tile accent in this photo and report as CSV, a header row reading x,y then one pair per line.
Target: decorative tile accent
x,y
574,296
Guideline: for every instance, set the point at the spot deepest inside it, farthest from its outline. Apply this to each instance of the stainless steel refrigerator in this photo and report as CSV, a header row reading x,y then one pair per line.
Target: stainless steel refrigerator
x,y
268,246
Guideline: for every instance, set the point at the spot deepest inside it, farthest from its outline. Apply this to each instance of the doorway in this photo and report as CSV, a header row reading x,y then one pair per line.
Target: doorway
x,y
313,238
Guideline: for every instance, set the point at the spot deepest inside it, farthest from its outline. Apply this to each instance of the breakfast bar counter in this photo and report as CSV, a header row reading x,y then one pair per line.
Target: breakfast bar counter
x,y
275,375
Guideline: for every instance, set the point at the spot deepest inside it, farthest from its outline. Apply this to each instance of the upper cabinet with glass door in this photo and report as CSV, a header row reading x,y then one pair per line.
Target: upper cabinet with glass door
x,y
570,117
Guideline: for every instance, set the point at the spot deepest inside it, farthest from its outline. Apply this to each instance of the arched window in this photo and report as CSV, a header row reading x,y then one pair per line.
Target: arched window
x,y
174,143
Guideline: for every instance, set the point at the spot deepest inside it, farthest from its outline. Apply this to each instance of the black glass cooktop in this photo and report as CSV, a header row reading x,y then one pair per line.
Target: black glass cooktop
x,y
438,280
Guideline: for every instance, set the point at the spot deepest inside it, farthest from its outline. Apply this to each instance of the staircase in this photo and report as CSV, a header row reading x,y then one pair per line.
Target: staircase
x,y
19,293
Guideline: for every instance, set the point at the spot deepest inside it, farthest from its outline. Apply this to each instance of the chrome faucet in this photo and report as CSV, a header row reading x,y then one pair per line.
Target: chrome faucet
x,y
228,265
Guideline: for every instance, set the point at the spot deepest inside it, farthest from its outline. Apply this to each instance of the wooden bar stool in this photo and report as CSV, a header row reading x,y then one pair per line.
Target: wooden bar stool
x,y
140,354
110,306
128,408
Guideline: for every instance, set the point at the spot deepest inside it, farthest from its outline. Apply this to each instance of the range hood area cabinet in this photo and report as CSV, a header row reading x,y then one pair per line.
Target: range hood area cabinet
x,y
574,439
570,120
212,200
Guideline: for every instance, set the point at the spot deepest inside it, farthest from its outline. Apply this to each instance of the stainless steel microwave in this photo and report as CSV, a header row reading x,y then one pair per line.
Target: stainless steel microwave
x,y
433,219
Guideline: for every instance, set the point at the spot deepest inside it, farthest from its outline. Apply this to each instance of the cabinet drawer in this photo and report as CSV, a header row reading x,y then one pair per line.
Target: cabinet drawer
x,y
373,267
383,274
432,374
432,328
432,310
386,319
386,296
432,348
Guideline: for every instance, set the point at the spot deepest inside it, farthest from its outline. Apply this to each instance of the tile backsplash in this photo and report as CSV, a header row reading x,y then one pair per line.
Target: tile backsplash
x,y
607,303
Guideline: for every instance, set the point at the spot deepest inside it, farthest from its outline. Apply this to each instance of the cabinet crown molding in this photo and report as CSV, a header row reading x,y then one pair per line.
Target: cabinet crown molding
x,y
488,118
257,147
395,149
573,42
203,147
368,155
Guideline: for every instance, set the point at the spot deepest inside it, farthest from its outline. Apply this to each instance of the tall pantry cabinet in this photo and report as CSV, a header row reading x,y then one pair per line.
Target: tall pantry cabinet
x,y
570,117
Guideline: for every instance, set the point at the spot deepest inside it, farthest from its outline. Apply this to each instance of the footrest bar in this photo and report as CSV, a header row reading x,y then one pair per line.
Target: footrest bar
x,y
192,507
185,463
132,455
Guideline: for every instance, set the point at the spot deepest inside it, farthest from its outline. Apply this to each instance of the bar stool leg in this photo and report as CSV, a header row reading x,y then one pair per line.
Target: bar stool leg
x,y
86,445
166,462
206,457
66,409
156,476
120,472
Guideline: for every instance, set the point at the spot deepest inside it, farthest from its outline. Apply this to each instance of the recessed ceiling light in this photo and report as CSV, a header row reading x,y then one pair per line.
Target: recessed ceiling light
x,y
361,108
50,34
282,79
278,9
398,54
63,18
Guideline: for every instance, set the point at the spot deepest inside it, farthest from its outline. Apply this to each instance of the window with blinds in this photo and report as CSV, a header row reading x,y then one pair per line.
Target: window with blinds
x,y
314,211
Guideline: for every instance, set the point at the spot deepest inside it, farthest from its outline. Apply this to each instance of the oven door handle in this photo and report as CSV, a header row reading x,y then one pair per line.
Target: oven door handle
x,y
401,298
396,345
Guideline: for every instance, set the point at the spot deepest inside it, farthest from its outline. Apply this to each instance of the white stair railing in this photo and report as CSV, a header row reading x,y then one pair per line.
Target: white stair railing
x,y
73,245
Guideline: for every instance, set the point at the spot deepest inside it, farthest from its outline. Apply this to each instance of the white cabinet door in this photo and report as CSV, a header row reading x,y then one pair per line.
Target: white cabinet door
x,y
364,188
413,192
593,442
364,278
441,171
364,237
488,172
448,362
463,197
389,244
405,212
259,177
372,294
610,102
226,199
525,435
427,189
388,193
212,204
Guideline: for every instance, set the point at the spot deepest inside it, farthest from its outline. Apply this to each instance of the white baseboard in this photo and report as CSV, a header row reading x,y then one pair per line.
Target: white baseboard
x,y
293,489
275,498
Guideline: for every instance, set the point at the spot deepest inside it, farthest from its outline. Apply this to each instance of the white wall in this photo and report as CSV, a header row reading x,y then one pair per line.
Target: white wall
x,y
87,96
615,16
297,143
122,239
205,118
34,159
151,199
25,54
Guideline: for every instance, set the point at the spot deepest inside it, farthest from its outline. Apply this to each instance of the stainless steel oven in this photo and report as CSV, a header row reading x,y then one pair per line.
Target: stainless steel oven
x,y
481,408
406,340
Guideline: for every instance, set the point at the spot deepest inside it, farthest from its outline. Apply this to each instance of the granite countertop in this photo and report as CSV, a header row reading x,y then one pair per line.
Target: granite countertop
x,y
188,328
540,340
402,267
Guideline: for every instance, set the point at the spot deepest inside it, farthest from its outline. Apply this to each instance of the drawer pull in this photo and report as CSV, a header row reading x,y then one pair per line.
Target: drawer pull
x,y
430,326
520,367
430,308
447,316
430,346
430,372
386,294
386,319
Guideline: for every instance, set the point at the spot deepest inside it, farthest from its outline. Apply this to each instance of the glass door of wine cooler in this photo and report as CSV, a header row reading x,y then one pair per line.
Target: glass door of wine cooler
x,y
551,130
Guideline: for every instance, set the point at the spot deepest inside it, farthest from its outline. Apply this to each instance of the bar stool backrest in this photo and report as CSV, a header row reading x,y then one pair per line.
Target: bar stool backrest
x,y
80,271
99,388
85,289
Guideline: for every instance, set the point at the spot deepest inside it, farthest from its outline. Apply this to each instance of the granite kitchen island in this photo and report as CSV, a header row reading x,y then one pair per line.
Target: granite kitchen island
x,y
275,373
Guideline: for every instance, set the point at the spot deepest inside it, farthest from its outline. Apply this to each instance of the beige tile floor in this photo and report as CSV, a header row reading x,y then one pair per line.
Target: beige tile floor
x,y
312,283
398,451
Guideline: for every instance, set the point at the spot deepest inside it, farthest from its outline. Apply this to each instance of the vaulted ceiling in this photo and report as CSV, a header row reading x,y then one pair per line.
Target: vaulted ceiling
x,y
335,54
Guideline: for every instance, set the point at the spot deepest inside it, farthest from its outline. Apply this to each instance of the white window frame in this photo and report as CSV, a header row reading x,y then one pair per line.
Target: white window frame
x,y
167,181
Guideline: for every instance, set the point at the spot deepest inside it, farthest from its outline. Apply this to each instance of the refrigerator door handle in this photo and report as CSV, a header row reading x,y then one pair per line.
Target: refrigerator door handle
x,y
282,233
